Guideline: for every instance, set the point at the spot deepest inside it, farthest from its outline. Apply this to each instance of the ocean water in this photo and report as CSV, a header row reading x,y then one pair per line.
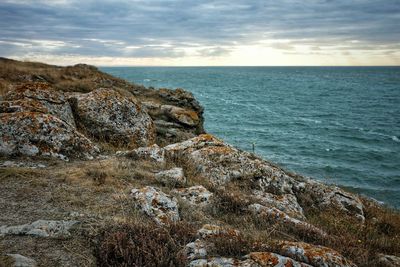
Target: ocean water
x,y
340,125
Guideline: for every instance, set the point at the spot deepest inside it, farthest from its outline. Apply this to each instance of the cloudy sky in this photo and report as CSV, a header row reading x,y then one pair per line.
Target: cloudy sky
x,y
202,32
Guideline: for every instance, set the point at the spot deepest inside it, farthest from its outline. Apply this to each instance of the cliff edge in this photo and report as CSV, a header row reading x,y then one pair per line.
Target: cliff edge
x,y
96,171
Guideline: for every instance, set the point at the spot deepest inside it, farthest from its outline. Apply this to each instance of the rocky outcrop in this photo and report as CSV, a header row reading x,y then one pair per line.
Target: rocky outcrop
x,y
38,134
196,195
151,153
119,119
173,177
314,255
273,259
162,207
41,228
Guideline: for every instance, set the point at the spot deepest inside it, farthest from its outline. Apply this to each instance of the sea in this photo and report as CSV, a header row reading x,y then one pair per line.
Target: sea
x,y
340,125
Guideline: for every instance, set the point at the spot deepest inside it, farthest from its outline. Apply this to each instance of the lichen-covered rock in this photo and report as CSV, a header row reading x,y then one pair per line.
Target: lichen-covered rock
x,y
211,230
286,203
35,134
21,261
41,228
111,116
151,153
220,163
216,262
388,260
38,97
325,196
196,250
276,215
183,116
172,177
314,255
196,195
273,259
162,207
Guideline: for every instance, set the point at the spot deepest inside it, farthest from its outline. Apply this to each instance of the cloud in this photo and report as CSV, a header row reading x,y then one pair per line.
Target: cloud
x,y
182,28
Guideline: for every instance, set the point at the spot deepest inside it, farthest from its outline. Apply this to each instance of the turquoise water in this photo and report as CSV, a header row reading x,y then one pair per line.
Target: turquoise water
x,y
340,125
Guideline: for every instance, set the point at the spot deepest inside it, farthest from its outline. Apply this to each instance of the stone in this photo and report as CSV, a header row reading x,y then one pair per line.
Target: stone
x,y
196,195
172,177
325,196
181,115
285,202
220,163
152,153
38,134
211,230
196,250
22,261
278,216
41,228
273,259
162,207
109,115
388,260
315,255
40,98
216,262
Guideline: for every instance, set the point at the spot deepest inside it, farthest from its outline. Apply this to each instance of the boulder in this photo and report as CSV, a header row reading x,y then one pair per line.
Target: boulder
x,y
196,195
314,255
108,115
278,216
151,153
40,98
285,202
21,261
172,177
196,250
388,260
35,134
162,207
40,228
273,259
181,115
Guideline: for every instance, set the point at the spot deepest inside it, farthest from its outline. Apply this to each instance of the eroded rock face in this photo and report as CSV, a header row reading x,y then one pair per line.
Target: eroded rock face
x,y
41,228
40,98
173,177
314,255
162,207
37,134
196,195
181,115
111,116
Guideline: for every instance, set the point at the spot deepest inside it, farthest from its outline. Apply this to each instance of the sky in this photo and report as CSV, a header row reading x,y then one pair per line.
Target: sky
x,y
202,32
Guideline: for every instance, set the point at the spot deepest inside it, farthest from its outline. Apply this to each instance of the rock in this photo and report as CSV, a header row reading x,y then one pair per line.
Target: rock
x,y
286,203
37,134
220,163
22,261
153,153
325,196
216,262
273,259
181,115
41,228
196,195
40,98
211,230
173,177
314,255
161,207
196,250
278,216
388,260
109,115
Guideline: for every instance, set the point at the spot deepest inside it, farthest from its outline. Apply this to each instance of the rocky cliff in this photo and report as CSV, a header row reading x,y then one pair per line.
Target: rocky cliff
x,y
96,171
